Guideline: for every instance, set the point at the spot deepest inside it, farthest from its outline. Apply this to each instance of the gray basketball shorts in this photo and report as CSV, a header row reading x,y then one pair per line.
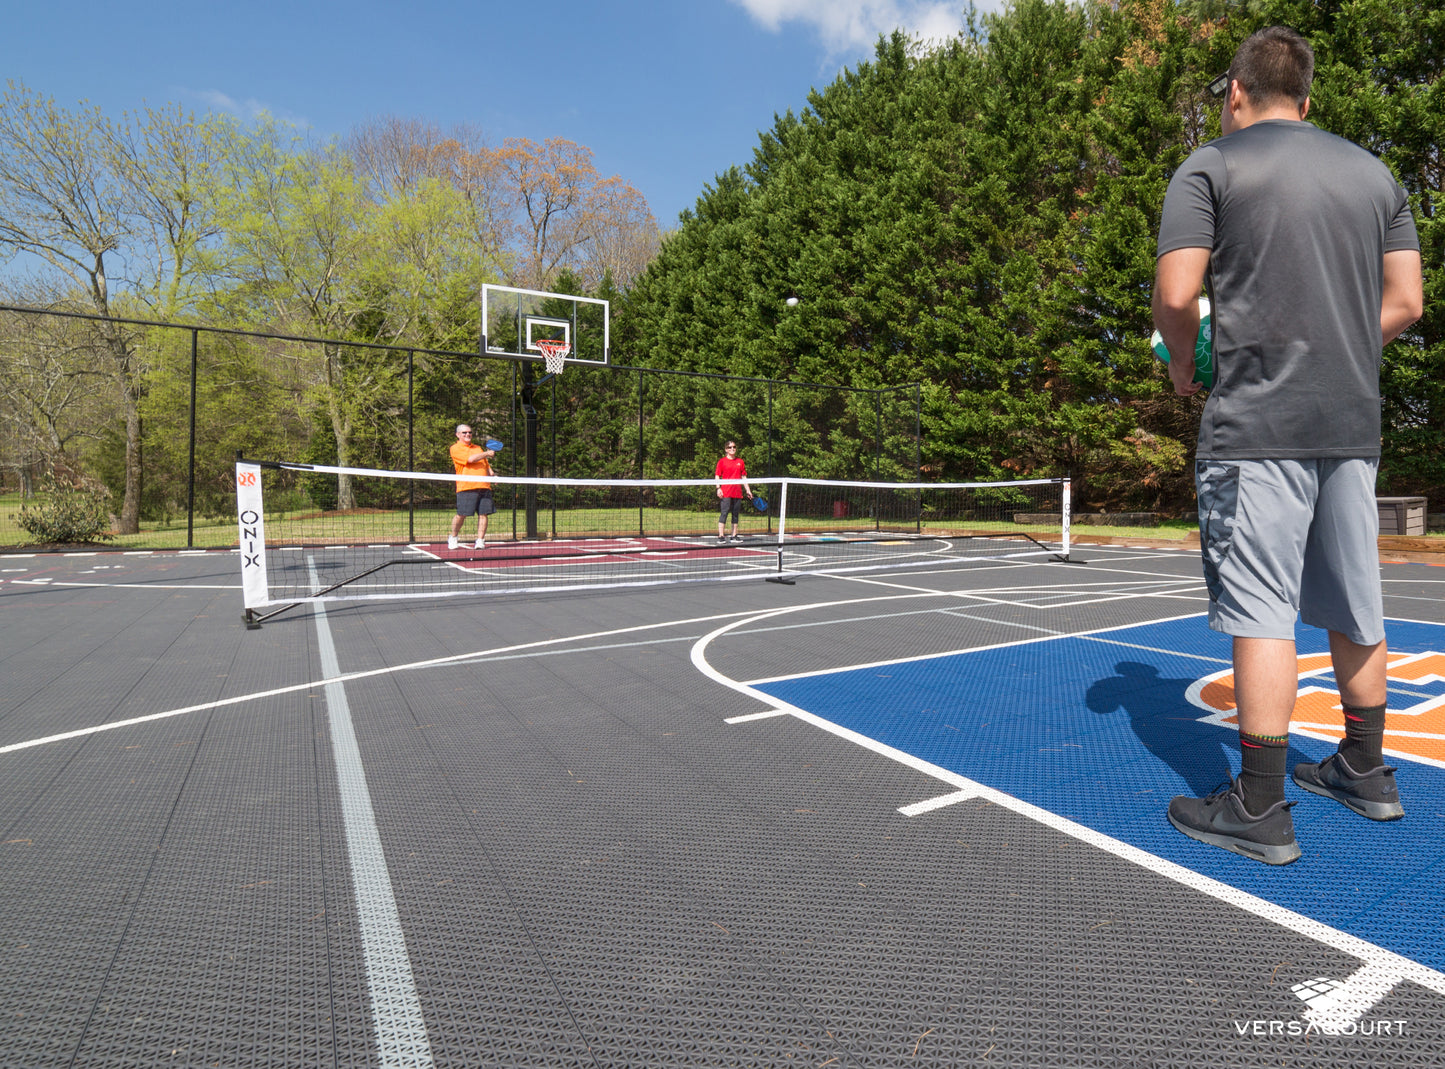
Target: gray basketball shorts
x,y
475,503
1282,538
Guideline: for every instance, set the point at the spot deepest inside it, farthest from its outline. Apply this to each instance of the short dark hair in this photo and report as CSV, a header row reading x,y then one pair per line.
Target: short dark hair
x,y
1274,65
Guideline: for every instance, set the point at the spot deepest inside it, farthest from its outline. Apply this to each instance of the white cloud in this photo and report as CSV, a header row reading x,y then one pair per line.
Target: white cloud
x,y
849,26
248,109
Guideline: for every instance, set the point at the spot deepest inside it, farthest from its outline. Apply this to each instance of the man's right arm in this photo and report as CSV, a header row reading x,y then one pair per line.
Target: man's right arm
x,y
1404,301
1186,237
1176,311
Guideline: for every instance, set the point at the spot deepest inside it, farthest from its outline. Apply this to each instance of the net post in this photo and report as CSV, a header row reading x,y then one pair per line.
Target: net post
x,y
1065,509
251,524
784,580
782,529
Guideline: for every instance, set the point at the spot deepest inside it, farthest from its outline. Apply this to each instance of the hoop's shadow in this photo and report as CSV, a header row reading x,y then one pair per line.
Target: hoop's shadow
x,y
1168,725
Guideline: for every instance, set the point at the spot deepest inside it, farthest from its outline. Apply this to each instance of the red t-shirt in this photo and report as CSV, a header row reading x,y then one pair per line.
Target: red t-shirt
x,y
731,468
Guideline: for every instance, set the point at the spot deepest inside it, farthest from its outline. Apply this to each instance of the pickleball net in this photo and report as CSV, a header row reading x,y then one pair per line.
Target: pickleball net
x,y
299,544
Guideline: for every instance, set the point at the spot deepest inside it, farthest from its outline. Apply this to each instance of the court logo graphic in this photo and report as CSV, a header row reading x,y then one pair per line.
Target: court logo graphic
x,y
1329,1010
1414,721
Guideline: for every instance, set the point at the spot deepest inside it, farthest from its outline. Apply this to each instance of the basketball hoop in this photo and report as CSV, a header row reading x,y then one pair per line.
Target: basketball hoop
x,y
554,353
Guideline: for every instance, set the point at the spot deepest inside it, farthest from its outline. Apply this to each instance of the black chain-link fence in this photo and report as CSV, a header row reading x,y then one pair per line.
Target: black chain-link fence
x,y
183,401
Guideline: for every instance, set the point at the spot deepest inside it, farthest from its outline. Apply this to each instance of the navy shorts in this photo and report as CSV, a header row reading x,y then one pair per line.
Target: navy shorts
x,y
1282,538
475,503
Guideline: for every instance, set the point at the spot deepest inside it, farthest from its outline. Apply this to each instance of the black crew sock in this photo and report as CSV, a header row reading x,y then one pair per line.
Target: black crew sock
x,y
1364,737
1261,779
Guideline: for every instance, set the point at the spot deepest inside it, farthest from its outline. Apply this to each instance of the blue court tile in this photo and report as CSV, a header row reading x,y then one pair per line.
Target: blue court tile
x,y
1097,729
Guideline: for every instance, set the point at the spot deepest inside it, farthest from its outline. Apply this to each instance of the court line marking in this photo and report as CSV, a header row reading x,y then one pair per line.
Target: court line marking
x,y
457,658
1157,649
1381,970
1112,596
126,586
454,658
766,714
401,1036
943,611
1052,636
919,808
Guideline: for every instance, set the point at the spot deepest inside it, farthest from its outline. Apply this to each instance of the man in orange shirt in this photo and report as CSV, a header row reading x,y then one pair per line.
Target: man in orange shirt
x,y
474,496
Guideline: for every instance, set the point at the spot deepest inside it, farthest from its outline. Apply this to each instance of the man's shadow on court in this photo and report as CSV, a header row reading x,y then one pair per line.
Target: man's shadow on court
x,y
1168,726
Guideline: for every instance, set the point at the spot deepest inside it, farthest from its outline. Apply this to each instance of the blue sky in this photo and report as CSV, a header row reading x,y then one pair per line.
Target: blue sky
x,y
667,93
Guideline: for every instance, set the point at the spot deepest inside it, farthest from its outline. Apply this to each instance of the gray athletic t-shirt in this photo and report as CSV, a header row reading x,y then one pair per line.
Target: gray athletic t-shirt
x,y
1297,222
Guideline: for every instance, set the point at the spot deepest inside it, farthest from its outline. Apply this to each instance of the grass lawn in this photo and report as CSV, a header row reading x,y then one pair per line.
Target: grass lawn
x,y
208,531
383,526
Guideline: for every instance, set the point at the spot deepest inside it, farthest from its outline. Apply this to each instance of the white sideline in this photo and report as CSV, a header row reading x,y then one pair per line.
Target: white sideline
x,y
401,1035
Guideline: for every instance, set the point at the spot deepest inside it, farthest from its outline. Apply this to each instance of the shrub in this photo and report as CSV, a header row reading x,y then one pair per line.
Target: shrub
x,y
68,513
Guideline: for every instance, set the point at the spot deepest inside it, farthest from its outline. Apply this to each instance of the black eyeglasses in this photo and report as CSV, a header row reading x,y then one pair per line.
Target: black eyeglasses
x,y
464,432
1219,86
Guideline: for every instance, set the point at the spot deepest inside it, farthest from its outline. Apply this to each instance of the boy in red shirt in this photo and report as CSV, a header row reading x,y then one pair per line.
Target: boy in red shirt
x,y
730,495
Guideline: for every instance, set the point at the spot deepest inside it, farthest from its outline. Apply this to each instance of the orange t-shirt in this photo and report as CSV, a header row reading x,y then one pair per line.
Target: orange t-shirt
x,y
468,460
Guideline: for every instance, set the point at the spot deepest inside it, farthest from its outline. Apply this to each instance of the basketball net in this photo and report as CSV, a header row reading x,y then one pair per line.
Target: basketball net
x,y
554,353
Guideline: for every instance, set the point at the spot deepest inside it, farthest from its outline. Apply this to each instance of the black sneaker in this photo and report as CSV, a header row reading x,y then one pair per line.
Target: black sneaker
x,y
1220,819
1371,794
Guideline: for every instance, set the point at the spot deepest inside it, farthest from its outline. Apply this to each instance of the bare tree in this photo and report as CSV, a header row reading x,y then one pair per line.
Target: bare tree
x,y
50,395
549,183
534,207
164,162
114,211
622,235
567,215
397,156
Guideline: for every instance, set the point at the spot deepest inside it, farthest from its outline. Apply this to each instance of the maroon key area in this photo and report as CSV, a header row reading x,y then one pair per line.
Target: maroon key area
x,y
583,551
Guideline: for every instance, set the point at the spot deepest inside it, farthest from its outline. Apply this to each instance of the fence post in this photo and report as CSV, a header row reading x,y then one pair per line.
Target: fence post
x,y
770,444
877,458
641,490
410,445
918,445
512,459
918,429
191,469
552,401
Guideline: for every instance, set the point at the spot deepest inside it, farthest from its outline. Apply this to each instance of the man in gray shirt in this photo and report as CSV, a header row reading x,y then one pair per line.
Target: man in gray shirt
x,y
1306,245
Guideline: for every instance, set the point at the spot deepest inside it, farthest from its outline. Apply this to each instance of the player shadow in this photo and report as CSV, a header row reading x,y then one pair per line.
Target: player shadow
x,y
1168,726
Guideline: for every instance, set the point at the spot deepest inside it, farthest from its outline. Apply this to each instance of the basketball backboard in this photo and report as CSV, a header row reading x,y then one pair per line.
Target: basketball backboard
x,y
514,320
